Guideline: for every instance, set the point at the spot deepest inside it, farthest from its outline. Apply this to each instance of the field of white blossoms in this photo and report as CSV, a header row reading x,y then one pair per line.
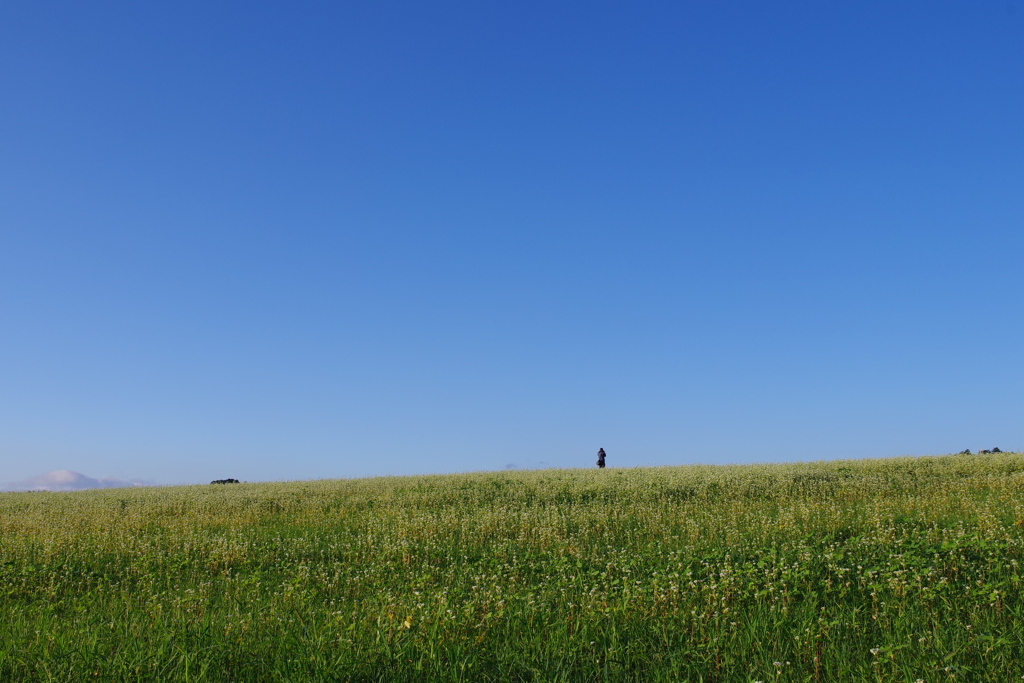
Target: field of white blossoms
x,y
902,569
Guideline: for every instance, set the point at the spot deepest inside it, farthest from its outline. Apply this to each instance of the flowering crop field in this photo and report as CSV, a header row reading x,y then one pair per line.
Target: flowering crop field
x,y
903,569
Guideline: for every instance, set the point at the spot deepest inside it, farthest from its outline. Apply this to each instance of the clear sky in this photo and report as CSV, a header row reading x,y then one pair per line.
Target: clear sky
x,y
302,240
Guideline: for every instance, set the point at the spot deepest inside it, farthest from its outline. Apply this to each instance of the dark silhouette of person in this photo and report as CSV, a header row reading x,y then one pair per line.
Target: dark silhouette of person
x,y
600,458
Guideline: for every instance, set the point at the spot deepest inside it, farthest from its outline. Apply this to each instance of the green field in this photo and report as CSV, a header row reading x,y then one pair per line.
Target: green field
x,y
902,569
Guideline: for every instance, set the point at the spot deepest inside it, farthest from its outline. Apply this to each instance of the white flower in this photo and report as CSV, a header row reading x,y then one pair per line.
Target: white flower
x,y
875,650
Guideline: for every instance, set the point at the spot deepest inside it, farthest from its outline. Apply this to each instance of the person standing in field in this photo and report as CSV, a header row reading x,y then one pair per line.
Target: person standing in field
x,y
600,458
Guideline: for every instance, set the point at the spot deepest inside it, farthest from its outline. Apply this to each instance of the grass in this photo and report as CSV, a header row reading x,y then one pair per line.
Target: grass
x,y
902,570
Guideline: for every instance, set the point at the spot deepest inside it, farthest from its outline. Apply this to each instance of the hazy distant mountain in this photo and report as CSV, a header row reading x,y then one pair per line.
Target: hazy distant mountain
x,y
66,480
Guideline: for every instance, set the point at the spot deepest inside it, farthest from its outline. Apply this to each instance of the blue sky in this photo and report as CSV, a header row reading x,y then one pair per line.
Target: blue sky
x,y
302,240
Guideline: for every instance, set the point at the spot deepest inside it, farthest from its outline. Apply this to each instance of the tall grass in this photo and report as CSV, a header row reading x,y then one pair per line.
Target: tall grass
x,y
887,570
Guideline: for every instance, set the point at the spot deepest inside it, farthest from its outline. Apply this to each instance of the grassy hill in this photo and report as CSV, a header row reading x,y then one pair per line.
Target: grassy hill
x,y
903,569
